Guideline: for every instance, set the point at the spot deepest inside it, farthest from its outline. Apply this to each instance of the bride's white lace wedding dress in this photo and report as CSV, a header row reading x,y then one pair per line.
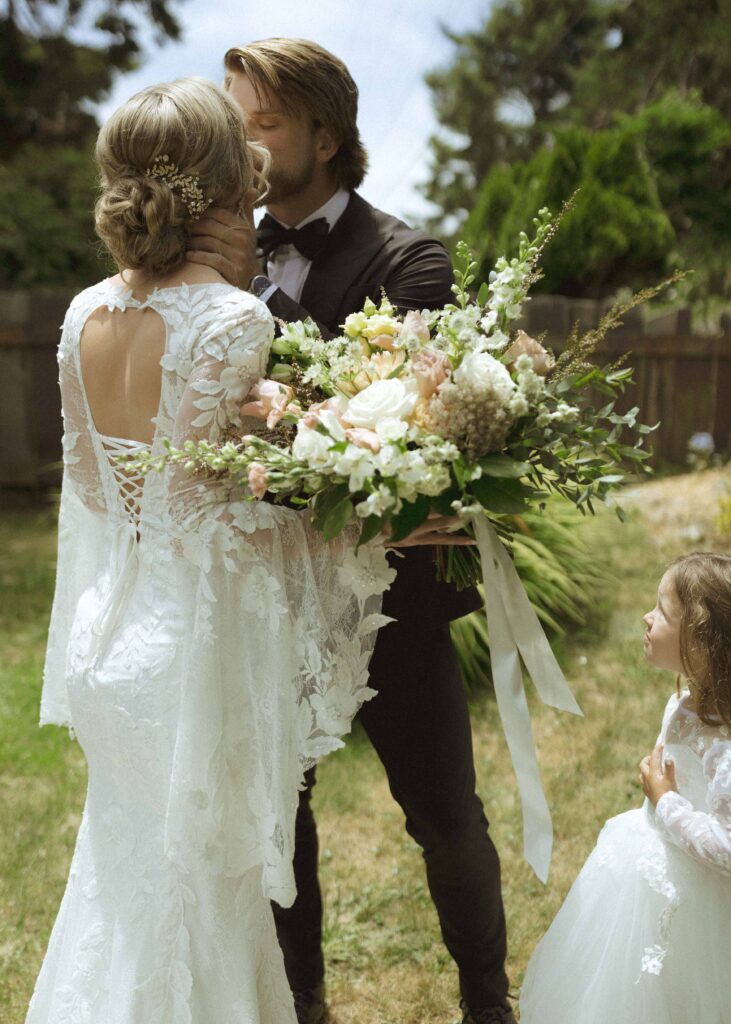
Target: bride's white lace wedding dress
x,y
205,651
643,935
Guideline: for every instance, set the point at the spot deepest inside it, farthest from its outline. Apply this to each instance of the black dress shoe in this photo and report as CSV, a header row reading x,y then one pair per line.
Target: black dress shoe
x,y
490,1015
310,1006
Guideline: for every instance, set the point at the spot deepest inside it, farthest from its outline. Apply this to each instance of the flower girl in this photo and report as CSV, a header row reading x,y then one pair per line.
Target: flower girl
x,y
643,935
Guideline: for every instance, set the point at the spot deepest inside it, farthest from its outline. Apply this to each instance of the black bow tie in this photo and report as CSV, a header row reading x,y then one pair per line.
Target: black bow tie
x,y
307,240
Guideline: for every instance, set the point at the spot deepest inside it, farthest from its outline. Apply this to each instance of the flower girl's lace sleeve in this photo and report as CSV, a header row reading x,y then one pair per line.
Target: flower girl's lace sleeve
x,y
706,836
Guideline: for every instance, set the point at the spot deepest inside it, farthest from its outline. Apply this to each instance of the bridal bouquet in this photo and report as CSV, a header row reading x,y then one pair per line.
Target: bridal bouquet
x,y
450,411
453,411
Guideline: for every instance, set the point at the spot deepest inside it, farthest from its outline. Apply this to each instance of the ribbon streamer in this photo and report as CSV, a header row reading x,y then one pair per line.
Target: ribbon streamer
x,y
514,627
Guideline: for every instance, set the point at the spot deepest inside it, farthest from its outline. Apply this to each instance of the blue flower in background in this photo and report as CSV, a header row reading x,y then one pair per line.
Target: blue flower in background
x,y
702,443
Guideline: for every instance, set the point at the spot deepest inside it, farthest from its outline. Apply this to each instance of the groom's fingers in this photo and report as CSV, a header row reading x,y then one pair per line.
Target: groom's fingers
x,y
227,243
223,218
432,540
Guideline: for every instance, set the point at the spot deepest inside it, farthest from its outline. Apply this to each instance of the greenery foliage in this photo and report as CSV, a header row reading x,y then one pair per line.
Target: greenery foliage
x,y
47,131
628,102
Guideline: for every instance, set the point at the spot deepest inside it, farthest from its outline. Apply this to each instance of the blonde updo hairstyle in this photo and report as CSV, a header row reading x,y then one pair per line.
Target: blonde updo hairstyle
x,y
143,221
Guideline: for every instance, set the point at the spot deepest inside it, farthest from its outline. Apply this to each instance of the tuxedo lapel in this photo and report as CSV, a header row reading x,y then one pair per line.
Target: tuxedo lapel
x,y
352,244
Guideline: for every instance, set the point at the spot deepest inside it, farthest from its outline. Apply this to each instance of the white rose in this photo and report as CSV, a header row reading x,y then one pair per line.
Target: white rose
x,y
384,398
486,371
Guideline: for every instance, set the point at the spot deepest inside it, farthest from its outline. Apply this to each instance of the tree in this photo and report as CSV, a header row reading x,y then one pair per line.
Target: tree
x,y
648,200
47,131
506,88
545,90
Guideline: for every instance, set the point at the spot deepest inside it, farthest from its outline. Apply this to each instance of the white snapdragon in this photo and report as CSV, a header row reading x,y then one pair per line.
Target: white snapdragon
x,y
378,502
357,464
496,341
390,459
530,385
313,447
563,413
566,413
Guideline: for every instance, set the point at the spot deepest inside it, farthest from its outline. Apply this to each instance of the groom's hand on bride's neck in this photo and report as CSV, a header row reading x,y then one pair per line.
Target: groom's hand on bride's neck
x,y
226,242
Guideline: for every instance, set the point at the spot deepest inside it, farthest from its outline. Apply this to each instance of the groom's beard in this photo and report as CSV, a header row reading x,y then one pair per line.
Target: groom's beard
x,y
285,184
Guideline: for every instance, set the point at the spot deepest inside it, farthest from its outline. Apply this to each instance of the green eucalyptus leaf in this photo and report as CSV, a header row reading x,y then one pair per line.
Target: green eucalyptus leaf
x,y
337,519
412,514
326,501
503,466
503,496
371,528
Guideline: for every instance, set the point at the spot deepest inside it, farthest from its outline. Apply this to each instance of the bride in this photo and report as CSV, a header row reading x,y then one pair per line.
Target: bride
x,y
204,649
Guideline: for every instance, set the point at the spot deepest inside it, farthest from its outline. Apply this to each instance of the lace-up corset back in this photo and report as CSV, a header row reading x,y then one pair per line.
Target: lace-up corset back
x,y
131,485
91,452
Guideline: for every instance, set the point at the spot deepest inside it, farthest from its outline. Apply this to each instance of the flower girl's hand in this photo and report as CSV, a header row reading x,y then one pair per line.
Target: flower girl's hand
x,y
656,780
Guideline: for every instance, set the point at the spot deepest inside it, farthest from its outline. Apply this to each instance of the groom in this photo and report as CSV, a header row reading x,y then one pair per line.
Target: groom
x,y
322,250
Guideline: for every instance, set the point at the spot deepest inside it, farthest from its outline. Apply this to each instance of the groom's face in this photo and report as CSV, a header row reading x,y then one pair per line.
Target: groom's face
x,y
290,138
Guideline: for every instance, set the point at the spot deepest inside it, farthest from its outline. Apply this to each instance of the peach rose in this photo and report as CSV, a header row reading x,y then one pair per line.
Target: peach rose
x,y
272,400
543,361
414,323
364,438
430,369
384,341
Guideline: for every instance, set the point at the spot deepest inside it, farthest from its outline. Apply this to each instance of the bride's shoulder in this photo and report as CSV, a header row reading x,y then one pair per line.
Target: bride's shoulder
x,y
87,300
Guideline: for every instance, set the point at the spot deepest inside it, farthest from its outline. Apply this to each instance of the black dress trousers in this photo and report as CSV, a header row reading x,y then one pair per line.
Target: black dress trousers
x,y
419,726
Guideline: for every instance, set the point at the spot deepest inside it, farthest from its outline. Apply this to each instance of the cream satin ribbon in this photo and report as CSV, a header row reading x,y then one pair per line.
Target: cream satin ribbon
x,y
514,627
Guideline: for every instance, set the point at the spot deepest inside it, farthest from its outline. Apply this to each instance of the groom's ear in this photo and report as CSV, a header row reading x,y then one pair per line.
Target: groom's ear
x,y
326,145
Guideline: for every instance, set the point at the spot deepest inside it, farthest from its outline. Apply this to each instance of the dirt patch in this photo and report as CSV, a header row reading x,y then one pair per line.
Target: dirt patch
x,y
685,509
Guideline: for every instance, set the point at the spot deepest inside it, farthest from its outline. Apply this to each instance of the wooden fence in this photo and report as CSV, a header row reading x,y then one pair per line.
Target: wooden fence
x,y
682,379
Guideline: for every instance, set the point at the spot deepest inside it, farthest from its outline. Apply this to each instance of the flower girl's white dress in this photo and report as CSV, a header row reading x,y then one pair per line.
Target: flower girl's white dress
x,y
644,936
205,651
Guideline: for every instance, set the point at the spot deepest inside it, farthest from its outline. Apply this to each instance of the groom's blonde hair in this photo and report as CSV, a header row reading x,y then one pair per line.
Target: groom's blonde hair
x,y
308,79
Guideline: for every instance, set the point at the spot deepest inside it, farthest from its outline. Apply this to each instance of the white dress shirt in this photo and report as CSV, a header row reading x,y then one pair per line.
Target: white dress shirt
x,y
286,267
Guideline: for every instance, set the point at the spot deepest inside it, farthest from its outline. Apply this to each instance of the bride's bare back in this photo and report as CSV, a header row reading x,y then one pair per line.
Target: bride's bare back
x,y
120,353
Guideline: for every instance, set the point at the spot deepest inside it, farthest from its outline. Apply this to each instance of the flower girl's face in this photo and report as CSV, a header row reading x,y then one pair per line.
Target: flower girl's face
x,y
662,639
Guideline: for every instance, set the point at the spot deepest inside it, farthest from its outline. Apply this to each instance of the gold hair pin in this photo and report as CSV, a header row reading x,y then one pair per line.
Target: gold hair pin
x,y
187,186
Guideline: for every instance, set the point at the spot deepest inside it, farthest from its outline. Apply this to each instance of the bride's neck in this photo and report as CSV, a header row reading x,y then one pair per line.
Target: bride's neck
x,y
141,282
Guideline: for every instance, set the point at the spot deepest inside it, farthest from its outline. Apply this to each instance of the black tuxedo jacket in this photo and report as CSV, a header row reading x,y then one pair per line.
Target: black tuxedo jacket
x,y
369,251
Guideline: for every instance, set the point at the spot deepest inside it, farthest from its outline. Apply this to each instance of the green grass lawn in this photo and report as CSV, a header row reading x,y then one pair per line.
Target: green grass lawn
x,y
386,964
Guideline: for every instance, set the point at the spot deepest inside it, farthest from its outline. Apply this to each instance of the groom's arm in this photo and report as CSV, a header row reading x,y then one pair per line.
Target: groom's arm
x,y
412,268
417,272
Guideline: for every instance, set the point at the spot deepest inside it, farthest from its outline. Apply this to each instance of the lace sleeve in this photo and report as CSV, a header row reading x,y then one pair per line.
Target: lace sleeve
x,y
704,835
230,355
276,665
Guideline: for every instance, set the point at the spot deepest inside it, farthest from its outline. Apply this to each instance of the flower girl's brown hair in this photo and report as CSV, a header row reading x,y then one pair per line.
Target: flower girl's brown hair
x,y
703,585
164,157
